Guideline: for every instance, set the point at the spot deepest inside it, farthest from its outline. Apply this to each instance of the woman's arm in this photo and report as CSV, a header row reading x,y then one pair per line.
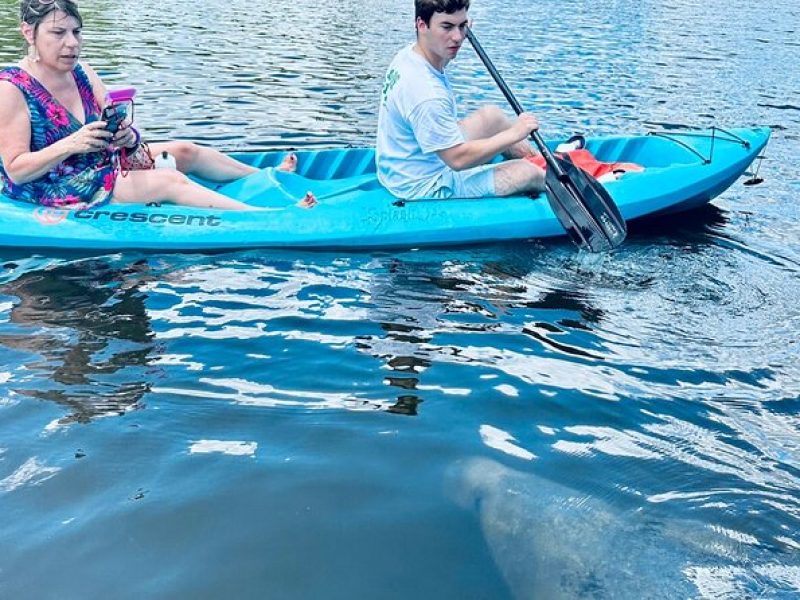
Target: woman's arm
x,y
22,165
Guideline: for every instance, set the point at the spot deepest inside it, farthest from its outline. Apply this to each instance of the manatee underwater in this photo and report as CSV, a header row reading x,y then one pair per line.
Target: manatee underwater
x,y
550,542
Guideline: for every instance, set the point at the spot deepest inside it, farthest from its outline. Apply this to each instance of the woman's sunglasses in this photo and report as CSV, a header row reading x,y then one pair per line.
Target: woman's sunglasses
x,y
44,7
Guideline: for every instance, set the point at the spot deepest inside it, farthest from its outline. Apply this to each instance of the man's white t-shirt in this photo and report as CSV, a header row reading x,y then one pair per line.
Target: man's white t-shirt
x,y
417,118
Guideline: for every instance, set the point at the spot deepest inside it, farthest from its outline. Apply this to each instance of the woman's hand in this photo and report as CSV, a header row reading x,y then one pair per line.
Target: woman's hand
x,y
124,138
92,137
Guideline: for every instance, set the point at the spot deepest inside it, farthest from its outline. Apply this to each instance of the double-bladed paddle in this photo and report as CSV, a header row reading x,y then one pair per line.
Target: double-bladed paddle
x,y
583,206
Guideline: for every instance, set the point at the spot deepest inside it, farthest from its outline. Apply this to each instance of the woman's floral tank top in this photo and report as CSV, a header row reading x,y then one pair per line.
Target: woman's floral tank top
x,y
81,180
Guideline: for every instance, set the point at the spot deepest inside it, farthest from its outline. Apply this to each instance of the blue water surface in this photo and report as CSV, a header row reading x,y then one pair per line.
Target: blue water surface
x,y
506,421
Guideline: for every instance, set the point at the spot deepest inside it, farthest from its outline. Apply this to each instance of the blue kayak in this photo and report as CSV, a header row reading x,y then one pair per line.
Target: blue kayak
x,y
682,170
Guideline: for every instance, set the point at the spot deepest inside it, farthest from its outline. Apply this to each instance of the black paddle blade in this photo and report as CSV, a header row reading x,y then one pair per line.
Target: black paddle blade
x,y
584,208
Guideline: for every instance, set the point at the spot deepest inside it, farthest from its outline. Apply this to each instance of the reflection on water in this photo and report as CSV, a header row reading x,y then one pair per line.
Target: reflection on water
x,y
274,405
565,366
85,326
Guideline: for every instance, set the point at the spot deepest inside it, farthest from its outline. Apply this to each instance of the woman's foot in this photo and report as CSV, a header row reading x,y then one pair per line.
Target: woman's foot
x,y
289,163
309,201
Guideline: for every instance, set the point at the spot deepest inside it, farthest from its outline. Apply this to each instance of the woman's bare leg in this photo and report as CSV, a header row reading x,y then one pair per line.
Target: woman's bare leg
x,y
167,185
204,162
211,164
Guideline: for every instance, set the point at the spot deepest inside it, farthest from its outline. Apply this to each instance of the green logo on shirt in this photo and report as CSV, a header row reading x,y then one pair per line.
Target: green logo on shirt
x,y
392,77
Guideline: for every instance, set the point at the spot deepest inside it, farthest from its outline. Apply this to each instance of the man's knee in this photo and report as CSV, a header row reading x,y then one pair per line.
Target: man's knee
x,y
534,177
494,117
485,122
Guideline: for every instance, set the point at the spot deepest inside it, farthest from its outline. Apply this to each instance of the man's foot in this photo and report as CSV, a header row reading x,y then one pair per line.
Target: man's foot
x,y
289,163
576,142
610,176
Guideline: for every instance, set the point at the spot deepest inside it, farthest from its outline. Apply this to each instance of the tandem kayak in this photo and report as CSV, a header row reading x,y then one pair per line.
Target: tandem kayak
x,y
682,170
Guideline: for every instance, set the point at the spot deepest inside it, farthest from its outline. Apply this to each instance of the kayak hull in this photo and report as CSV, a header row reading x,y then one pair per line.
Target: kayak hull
x,y
683,170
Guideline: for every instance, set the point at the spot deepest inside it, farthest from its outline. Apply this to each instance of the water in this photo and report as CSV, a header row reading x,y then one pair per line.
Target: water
x,y
491,422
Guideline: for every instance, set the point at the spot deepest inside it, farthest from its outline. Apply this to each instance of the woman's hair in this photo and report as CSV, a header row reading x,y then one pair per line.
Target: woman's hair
x,y
33,12
426,8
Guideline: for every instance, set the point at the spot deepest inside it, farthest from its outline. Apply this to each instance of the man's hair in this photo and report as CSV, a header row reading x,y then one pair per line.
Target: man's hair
x,y
424,9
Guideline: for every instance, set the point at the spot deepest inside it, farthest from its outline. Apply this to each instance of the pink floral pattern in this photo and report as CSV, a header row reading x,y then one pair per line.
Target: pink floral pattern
x,y
109,180
21,78
79,181
57,114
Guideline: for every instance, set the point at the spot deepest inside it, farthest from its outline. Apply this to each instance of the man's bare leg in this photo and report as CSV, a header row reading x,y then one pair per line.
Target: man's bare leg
x,y
518,176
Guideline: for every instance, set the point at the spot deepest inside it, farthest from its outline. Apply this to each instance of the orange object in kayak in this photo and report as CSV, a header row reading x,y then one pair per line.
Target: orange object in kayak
x,y
586,161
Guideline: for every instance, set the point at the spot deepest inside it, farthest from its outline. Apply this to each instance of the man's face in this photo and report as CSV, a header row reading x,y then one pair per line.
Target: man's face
x,y
442,39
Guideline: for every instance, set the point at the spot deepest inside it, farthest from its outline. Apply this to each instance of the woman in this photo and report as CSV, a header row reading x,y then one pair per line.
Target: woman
x,y
54,149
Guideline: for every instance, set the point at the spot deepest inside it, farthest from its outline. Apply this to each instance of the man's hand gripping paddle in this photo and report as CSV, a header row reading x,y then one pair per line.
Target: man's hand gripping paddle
x,y
583,206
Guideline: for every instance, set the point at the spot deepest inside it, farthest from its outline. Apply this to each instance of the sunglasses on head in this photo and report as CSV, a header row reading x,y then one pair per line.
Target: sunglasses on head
x,y
45,6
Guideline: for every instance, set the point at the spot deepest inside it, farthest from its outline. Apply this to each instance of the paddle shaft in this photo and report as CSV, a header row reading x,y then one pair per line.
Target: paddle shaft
x,y
512,100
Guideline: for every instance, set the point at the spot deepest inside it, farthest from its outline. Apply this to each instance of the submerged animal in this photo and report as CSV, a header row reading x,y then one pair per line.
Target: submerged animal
x,y
550,542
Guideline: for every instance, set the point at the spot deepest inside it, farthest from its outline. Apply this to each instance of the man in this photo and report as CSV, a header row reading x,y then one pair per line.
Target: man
x,y
423,150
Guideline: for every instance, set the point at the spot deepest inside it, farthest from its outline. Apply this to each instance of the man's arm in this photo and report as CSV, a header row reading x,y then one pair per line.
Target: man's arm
x,y
473,153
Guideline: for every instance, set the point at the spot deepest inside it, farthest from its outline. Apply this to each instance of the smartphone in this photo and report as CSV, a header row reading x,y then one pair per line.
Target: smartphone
x,y
117,106
114,115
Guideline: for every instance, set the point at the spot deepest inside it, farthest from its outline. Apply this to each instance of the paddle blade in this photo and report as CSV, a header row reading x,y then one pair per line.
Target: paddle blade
x,y
584,208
